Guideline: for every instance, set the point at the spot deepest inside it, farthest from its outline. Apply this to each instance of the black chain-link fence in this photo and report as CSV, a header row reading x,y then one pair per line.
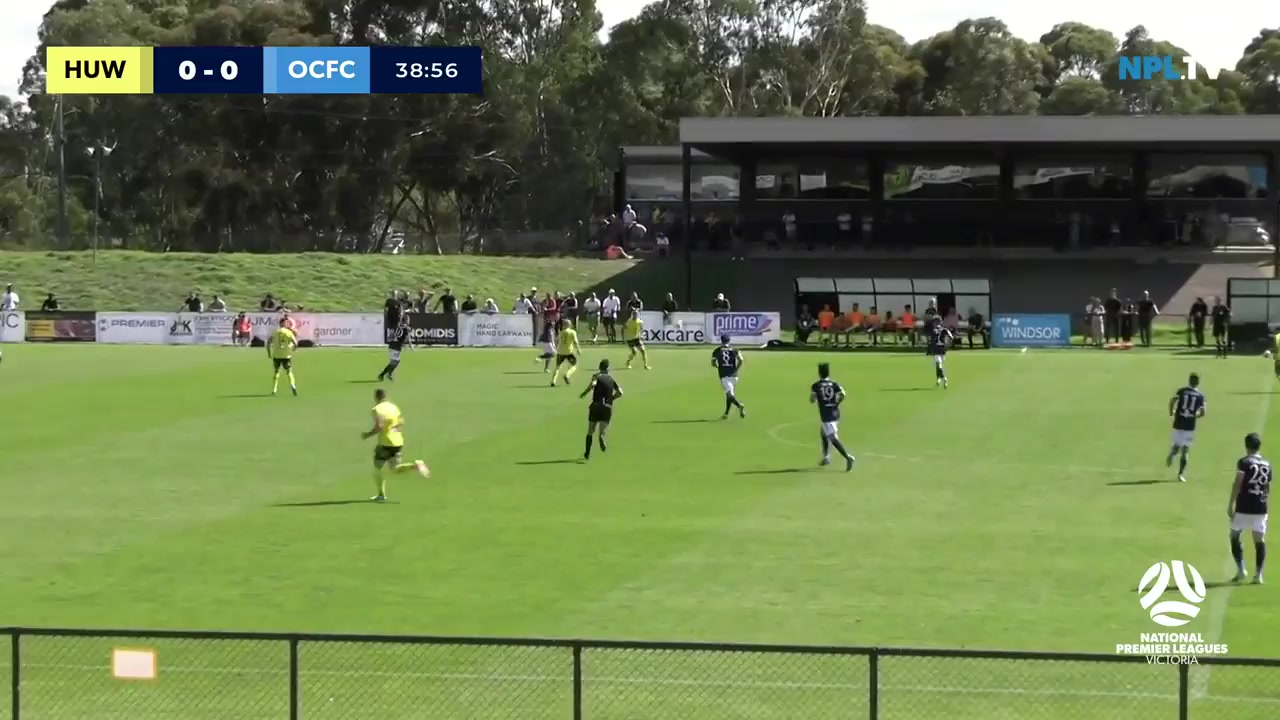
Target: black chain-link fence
x,y
137,675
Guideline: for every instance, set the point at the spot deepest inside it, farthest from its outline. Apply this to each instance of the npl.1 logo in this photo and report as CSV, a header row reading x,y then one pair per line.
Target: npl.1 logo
x,y
1189,584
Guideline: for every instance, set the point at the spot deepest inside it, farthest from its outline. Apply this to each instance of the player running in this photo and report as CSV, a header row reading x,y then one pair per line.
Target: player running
x,y
1185,407
727,361
388,425
397,339
828,395
604,391
548,341
1247,506
940,339
633,333
280,347
567,352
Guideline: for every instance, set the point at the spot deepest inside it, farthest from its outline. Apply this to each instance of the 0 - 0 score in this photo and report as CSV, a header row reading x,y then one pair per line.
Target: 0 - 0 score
x,y
427,70
187,70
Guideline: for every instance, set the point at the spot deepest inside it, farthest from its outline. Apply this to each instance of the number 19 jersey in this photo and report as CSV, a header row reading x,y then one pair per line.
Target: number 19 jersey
x,y
827,394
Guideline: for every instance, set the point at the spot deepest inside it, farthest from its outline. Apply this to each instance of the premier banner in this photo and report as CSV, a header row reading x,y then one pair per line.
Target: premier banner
x,y
433,329
13,326
495,331
134,328
682,328
61,326
747,328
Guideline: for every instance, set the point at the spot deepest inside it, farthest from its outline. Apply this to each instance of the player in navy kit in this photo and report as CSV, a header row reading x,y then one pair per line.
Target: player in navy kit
x,y
727,361
827,395
1247,506
1185,407
397,338
940,339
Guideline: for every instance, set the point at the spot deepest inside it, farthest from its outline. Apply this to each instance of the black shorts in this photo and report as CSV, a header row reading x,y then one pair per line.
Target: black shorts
x,y
386,453
1219,330
609,320
286,363
635,344
599,413
562,359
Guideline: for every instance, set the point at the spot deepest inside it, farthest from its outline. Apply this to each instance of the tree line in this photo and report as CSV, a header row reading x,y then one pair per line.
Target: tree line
x,y
536,150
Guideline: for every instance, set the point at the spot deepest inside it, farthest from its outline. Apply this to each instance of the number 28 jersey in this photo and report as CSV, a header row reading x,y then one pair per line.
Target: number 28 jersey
x,y
1256,487
1188,404
827,393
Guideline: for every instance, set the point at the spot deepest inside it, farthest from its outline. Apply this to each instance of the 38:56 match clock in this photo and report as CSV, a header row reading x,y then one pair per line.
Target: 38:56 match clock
x,y
201,70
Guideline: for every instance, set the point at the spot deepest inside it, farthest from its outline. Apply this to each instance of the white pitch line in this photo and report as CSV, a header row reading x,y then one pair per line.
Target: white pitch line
x,y
1218,610
774,432
661,682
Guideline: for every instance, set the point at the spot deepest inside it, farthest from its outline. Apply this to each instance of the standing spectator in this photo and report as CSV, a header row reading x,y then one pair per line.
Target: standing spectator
x,y
447,304
635,304
1095,322
218,305
268,303
1199,312
628,219
551,310
609,310
469,305
663,244
721,303
569,310
789,229
978,326
1112,308
50,304
591,310
9,301
522,306
669,308
1221,315
1128,318
1147,312
193,303
490,307
423,303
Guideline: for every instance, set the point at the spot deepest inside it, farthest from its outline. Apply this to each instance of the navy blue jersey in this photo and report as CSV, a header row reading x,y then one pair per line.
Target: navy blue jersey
x,y
827,393
726,360
604,392
548,333
1252,499
397,337
940,338
1187,406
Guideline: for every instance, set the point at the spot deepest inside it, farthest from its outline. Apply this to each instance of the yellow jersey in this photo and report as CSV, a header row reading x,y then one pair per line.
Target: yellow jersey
x,y
390,422
282,344
632,328
567,342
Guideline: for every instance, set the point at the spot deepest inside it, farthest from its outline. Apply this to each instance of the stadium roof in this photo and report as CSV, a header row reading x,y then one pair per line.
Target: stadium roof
x,y
714,135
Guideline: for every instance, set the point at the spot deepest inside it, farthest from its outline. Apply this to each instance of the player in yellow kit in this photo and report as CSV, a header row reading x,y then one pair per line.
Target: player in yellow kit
x,y
388,425
633,333
567,352
280,347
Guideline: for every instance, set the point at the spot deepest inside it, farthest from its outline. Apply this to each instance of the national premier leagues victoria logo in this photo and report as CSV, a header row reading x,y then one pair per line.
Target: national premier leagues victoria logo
x,y
1171,594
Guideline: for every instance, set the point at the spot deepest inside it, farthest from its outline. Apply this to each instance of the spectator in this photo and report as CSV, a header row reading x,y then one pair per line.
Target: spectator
x,y
50,304
1199,312
890,327
193,303
663,244
9,301
469,305
1128,319
609,309
978,326
720,304
804,326
669,308
628,218
789,229
635,304
423,303
268,303
844,226
591,310
1095,319
447,304
1147,312
872,325
1112,308
907,323
522,306
241,330
569,309
550,309
490,307
216,306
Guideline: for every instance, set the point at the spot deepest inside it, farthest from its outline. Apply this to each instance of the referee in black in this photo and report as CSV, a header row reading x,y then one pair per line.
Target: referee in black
x,y
392,311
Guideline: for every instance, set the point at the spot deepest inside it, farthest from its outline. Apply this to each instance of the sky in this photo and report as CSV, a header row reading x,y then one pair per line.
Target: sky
x,y
1215,34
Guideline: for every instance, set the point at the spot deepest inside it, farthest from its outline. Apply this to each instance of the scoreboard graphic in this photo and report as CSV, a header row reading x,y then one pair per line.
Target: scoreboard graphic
x,y
263,70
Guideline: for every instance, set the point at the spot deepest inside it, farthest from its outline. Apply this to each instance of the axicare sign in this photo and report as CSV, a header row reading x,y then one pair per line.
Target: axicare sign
x,y
681,328
13,327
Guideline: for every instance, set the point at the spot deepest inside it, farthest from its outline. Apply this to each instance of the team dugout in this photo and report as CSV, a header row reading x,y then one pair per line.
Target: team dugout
x,y
892,182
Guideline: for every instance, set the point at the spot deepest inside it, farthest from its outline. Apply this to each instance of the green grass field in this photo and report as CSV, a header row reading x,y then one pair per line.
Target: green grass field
x,y
157,487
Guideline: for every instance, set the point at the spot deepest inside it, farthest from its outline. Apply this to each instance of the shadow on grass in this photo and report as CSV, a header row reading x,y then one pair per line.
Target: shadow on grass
x,y
779,471
911,389
244,396
364,382
1135,483
328,503
690,421
568,461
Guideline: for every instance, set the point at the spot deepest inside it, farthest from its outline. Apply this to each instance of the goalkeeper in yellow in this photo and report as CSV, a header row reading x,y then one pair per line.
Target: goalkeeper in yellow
x,y
388,426
567,352
280,347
